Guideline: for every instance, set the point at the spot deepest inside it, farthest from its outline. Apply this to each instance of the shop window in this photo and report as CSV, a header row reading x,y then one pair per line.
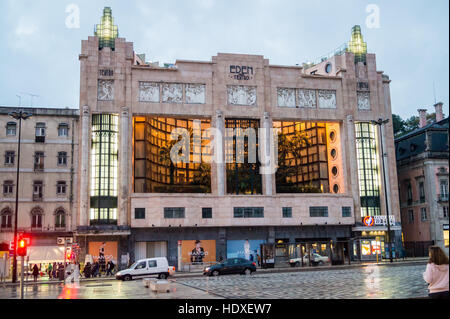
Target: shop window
x,y
318,211
139,213
423,214
368,169
9,157
248,212
446,237
287,212
155,172
104,169
241,149
346,212
302,158
174,212
207,212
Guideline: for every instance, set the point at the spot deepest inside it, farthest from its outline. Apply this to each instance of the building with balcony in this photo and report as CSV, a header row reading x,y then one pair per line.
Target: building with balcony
x,y
47,183
221,200
422,168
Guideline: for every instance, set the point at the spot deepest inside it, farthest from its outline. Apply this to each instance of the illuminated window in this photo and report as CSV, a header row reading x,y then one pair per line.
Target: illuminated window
x,y
106,31
302,158
368,172
241,157
446,238
155,172
104,169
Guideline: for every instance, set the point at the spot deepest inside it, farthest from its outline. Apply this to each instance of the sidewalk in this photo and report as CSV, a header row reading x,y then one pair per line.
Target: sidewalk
x,y
399,262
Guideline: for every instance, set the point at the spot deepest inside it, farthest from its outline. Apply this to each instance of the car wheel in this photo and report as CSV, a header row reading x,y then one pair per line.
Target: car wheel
x,y
162,276
127,278
297,264
321,263
247,272
215,273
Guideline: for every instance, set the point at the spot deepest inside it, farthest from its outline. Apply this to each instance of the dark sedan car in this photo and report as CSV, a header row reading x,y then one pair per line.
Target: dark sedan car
x,y
231,266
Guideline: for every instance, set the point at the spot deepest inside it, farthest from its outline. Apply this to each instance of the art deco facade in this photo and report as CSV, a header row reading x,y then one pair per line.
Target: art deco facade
x,y
134,199
47,184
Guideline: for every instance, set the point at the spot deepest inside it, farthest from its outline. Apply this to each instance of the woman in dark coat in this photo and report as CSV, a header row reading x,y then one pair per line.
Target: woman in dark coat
x,y
35,272
87,270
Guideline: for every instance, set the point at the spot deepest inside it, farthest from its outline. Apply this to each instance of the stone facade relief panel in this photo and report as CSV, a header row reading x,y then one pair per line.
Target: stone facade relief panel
x,y
307,98
241,95
172,93
363,100
149,92
105,91
286,97
327,99
195,93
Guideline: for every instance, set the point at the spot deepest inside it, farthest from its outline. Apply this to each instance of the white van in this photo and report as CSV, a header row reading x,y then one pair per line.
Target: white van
x,y
145,268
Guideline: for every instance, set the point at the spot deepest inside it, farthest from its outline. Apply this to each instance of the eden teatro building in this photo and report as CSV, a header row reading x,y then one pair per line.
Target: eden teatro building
x,y
330,173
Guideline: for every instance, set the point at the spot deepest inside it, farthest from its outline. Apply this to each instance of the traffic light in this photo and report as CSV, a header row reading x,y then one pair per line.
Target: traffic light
x,y
22,247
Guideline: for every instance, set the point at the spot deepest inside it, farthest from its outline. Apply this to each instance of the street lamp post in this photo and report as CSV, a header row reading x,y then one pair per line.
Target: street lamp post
x,y
18,115
380,122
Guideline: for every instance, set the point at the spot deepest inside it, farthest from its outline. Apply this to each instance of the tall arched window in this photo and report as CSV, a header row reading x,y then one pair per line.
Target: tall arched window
x,y
37,214
6,218
60,218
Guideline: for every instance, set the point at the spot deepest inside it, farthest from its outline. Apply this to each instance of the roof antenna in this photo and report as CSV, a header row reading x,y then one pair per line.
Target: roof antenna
x,y
434,92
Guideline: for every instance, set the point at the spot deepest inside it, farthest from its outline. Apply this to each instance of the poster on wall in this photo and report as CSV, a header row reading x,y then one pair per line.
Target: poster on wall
x,y
247,249
198,251
103,251
365,248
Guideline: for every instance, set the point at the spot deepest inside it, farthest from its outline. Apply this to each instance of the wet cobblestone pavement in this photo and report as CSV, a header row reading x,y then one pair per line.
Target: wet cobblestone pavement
x,y
371,282
375,282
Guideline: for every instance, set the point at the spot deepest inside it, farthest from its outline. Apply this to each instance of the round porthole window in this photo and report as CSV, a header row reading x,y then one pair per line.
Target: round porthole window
x,y
336,188
333,136
328,68
334,170
333,153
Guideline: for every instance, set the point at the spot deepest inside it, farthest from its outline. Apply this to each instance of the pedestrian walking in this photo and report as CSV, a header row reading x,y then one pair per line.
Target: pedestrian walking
x,y
436,273
110,268
49,270
35,272
87,270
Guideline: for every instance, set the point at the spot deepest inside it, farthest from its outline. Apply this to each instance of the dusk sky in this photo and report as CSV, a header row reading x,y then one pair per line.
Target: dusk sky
x,y
39,52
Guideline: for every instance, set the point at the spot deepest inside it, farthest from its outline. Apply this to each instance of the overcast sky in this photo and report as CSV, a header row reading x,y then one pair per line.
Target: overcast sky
x,y
39,53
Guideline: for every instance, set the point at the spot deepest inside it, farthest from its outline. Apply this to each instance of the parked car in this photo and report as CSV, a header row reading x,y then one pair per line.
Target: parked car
x,y
145,268
317,260
231,266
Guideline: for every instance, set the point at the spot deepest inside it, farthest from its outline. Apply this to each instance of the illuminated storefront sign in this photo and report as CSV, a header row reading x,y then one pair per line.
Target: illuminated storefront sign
x,y
368,221
378,221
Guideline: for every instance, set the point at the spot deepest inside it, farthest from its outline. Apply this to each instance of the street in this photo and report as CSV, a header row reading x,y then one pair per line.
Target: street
x,y
371,282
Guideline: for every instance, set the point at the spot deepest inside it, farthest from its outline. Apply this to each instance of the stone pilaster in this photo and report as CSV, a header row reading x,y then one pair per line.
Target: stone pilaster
x,y
352,166
84,176
265,140
124,184
219,158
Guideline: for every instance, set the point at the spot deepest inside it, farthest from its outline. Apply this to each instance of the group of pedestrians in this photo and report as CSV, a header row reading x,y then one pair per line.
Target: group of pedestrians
x,y
96,269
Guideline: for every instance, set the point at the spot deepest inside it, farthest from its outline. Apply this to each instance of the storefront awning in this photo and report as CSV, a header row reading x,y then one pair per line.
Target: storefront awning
x,y
45,254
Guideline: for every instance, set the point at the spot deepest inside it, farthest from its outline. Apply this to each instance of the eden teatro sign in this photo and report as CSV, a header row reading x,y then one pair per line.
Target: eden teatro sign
x,y
241,72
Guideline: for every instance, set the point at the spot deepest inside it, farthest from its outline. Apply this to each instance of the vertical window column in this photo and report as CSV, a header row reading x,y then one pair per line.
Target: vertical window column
x,y
104,169
368,169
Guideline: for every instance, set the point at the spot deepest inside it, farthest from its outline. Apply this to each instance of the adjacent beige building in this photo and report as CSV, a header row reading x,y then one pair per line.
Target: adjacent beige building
x,y
47,186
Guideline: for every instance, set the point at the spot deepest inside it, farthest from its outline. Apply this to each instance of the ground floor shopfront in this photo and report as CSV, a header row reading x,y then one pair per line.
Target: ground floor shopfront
x,y
186,248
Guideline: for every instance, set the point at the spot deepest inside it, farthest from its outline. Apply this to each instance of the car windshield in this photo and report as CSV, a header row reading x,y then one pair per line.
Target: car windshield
x,y
133,265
